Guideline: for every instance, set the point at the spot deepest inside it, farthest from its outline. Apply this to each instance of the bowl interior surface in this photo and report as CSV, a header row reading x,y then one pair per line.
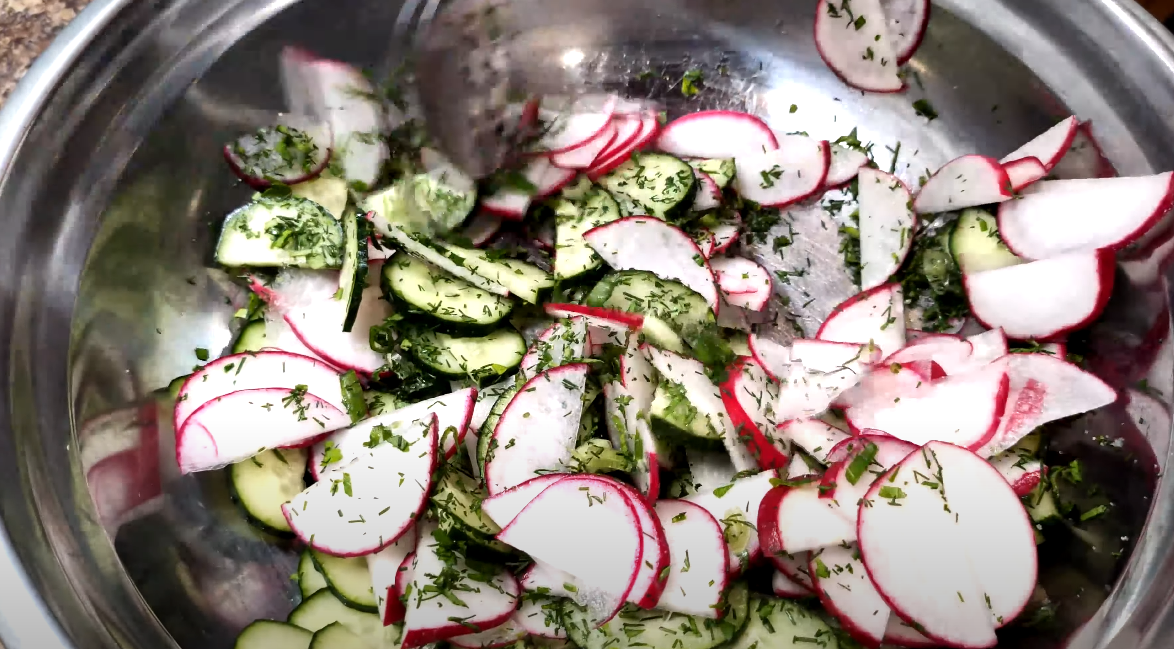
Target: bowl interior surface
x,y
144,189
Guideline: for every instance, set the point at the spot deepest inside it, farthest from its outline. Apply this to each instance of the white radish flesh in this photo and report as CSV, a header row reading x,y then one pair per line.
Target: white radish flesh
x,y
562,342
384,568
815,437
906,20
505,506
876,316
779,177
887,223
1024,172
709,195
775,358
845,164
632,132
1049,147
845,590
510,203
716,134
699,561
735,505
742,282
968,181
855,44
630,434
576,125
797,519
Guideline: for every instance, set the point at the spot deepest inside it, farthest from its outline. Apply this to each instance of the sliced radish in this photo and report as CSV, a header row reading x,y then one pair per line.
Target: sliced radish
x,y
630,434
875,316
795,568
742,282
864,459
266,369
384,568
796,519
735,505
505,634
716,134
778,177
845,164
952,355
538,429
963,410
453,414
378,496
618,322
562,342
1044,388
551,581
705,396
749,398
650,244
586,527
1049,147
281,338
1024,172
1145,267
957,557
638,374
699,563
887,223
773,357
241,424
822,372
509,203
480,229
654,551
505,506
541,616
884,384
1084,158
986,347
783,586
968,181
1057,217
583,156
405,574
709,195
629,130
577,125
615,156
1043,299
815,437
485,601
906,20
855,43
846,591
255,158
1022,473
899,633
724,234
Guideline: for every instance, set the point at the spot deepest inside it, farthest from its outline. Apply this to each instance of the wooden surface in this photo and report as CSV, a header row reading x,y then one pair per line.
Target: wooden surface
x,y
1163,10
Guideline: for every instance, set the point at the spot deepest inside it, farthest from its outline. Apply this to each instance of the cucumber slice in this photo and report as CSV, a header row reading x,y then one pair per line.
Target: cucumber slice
x,y
637,291
783,624
634,628
1041,504
323,609
310,580
381,403
578,189
265,482
337,636
976,245
484,357
422,203
428,290
269,634
652,184
251,339
573,258
519,278
349,579
353,275
326,190
277,232
460,495
721,170
673,416
485,435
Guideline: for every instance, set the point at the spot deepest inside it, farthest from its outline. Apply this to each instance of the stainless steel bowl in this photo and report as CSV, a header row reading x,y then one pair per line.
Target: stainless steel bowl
x,y
111,188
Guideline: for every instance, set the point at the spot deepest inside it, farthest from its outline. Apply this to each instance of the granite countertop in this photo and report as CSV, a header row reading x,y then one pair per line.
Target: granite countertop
x,y
26,29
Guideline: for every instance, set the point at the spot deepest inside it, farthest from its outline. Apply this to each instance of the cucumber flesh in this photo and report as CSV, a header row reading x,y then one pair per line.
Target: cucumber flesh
x,y
485,435
634,628
1041,504
252,338
381,403
642,292
721,170
326,190
279,232
349,579
482,357
460,495
652,184
572,256
337,636
269,634
353,275
674,416
976,246
265,482
310,580
428,290
323,608
519,278
783,624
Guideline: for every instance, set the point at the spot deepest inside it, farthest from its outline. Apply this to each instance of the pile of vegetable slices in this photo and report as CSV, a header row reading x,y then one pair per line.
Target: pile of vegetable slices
x,y
552,408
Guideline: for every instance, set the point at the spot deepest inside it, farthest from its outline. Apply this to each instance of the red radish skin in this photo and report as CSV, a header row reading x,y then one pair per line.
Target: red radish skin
x,y
794,567
628,130
583,156
968,181
796,519
505,506
815,437
649,127
1058,217
1084,158
655,554
376,485
1024,172
716,134
795,171
1049,147
403,575
263,183
384,568
596,315
699,565
737,510
559,343
907,20
1077,288
709,195
578,128
853,445
843,47
747,397
1023,474
900,634
512,204
876,315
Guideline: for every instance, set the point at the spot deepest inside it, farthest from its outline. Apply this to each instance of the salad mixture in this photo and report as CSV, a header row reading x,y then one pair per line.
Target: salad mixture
x,y
557,407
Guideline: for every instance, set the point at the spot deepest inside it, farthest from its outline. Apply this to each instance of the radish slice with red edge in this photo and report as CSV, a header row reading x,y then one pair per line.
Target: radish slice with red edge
x,y
823,371
796,519
855,43
615,156
512,204
384,568
794,567
655,555
598,539
970,567
650,244
453,413
1043,299
864,459
906,21
968,181
886,382
404,575
963,410
709,195
845,164
1049,147
887,223
699,564
749,397
951,355
540,616
1024,172
899,633
1084,159
480,229
775,358
735,505
816,438
485,602
875,316
783,586
1056,217
574,126
1044,388
239,425
1022,473
716,134
620,322
779,177
505,506
845,590
538,429
254,157
250,371
560,343
742,282
377,505
582,156
542,578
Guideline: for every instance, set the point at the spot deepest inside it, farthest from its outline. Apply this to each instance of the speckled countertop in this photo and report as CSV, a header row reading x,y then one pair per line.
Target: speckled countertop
x,y
26,29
